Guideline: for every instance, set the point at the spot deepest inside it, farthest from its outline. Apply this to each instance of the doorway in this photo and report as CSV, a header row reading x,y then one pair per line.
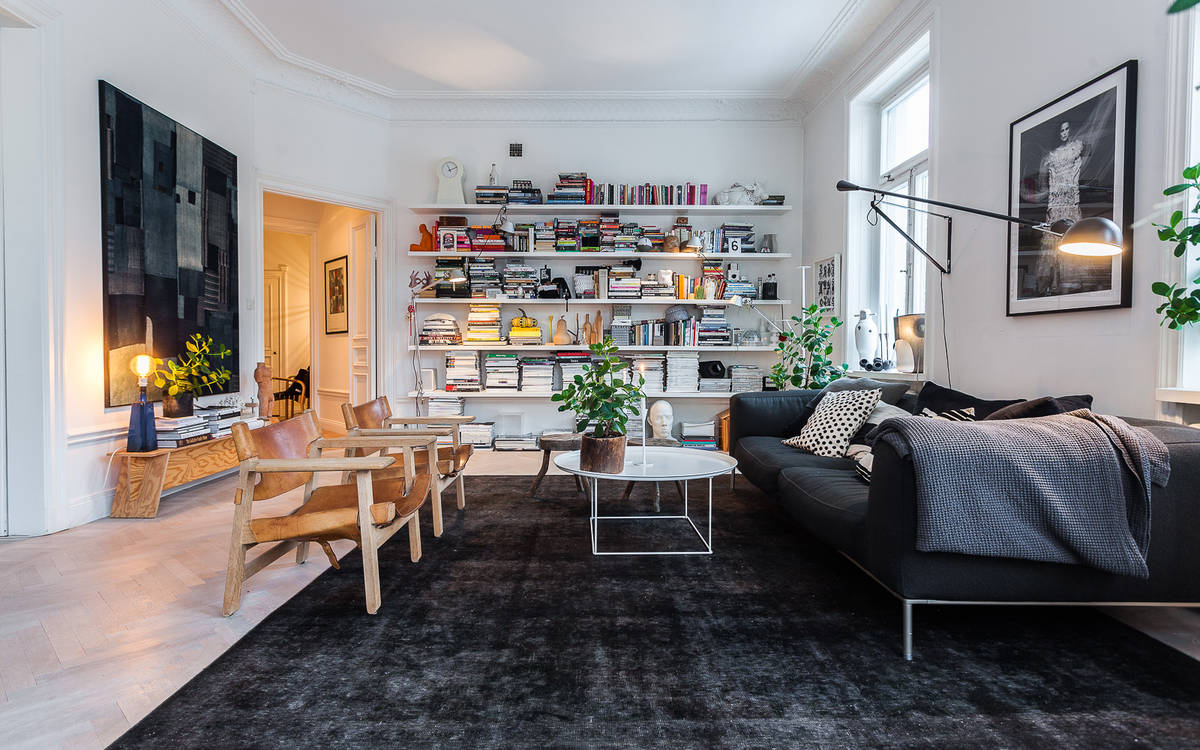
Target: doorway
x,y
318,307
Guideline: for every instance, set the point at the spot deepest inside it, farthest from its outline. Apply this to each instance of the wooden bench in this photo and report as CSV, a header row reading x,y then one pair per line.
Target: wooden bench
x,y
143,476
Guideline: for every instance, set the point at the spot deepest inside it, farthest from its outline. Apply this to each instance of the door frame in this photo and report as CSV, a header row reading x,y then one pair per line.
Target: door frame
x,y
384,347
307,229
280,275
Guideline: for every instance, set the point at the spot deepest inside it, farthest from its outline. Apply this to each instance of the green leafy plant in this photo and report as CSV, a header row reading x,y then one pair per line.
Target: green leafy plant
x,y
603,394
804,352
193,372
1181,5
1180,305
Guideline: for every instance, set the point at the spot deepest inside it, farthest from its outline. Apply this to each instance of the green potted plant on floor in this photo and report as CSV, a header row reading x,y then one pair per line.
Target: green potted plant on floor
x,y
603,396
804,352
1181,305
190,373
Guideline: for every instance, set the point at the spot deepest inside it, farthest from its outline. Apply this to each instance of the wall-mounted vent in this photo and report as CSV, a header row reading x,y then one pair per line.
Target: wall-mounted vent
x,y
516,149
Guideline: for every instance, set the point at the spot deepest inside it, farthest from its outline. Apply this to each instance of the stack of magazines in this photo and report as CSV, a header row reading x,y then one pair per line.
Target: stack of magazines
x,y
176,432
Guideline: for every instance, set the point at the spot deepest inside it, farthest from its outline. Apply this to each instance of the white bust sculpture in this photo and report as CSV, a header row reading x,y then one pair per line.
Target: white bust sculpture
x,y
662,418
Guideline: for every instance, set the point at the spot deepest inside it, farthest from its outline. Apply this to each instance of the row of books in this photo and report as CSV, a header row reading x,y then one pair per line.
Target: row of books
x,y
577,187
603,234
205,424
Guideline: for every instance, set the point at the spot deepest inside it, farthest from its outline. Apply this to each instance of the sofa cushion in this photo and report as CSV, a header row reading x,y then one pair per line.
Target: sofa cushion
x,y
837,418
939,399
830,503
892,393
761,457
1043,407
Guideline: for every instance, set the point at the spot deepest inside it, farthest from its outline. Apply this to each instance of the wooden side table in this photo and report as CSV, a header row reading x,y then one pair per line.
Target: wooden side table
x,y
556,441
143,476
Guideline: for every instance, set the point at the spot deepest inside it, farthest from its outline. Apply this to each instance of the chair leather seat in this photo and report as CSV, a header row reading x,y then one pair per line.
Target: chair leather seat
x,y
450,460
332,511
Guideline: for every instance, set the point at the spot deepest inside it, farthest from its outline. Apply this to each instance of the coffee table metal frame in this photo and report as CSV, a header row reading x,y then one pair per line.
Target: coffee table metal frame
x,y
635,472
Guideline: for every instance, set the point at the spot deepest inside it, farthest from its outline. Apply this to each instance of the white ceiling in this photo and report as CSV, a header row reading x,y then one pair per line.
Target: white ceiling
x,y
753,48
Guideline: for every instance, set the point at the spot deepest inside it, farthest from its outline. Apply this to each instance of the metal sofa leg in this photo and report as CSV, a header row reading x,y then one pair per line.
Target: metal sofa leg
x,y
908,640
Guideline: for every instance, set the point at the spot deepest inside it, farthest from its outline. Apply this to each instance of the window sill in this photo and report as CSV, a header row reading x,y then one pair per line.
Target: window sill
x,y
1178,395
891,376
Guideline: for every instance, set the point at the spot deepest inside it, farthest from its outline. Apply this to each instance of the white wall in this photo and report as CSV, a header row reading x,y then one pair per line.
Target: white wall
x,y
1031,53
331,384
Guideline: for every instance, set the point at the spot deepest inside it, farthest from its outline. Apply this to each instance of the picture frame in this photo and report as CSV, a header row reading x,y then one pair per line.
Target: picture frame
x,y
827,283
1070,159
337,276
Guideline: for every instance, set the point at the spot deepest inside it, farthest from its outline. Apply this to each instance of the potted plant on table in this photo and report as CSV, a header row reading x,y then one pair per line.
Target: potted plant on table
x,y
604,396
804,353
189,374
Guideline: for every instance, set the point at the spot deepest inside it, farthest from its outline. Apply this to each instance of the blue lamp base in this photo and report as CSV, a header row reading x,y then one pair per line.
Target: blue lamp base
x,y
142,436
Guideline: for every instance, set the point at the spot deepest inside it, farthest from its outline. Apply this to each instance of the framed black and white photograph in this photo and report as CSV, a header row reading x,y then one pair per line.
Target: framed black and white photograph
x,y
336,274
827,283
1069,160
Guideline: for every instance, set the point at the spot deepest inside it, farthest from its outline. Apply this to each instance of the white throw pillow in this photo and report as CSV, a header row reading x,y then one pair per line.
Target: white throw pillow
x,y
838,417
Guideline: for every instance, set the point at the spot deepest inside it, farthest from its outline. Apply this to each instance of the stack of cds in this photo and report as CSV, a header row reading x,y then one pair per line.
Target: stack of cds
x,y
715,385
566,235
537,374
520,281
713,329
483,277
650,366
683,371
483,324
500,371
571,364
589,235
572,187
491,194
610,227
478,434
462,371
622,325
440,329
745,378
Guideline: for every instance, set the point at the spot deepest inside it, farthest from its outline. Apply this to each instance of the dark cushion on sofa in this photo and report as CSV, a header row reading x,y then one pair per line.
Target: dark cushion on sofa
x,y
892,393
939,398
831,503
762,457
1042,407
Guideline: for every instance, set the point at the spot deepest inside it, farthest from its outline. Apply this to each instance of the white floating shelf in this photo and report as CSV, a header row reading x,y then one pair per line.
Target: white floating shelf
x,y
546,396
589,254
582,209
581,347
597,301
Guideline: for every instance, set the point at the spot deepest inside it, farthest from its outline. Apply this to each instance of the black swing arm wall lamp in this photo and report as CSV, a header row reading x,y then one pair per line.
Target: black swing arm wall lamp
x,y
1094,236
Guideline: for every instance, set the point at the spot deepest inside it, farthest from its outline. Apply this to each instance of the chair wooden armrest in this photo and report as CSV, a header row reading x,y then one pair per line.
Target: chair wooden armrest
x,y
291,465
369,432
375,441
429,420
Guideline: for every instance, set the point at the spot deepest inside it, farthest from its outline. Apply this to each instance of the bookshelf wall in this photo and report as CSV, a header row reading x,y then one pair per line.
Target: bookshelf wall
x,y
534,409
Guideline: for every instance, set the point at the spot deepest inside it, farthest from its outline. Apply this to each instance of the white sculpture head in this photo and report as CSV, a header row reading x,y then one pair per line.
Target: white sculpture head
x,y
662,418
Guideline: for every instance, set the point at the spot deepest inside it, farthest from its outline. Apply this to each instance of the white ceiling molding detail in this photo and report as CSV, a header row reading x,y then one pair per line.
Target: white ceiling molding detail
x,y
236,29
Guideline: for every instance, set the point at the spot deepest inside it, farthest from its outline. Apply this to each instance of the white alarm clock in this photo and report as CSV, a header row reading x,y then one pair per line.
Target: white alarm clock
x,y
450,177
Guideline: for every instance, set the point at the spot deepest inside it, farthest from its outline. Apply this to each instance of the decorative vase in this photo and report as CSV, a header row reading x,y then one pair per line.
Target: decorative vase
x,y
178,406
866,336
602,455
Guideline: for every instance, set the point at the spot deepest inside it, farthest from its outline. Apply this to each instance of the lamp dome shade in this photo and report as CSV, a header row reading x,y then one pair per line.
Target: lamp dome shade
x,y
1094,236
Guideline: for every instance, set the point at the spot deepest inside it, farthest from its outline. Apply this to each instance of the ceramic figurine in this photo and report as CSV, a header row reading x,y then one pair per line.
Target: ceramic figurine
x,y
866,336
586,331
562,336
741,195
662,419
598,328
266,393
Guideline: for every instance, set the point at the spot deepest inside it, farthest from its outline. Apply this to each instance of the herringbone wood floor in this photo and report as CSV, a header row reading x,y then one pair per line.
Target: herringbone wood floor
x,y
101,623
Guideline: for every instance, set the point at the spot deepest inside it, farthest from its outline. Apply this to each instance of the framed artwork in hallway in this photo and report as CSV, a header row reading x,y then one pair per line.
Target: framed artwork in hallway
x,y
1069,160
336,275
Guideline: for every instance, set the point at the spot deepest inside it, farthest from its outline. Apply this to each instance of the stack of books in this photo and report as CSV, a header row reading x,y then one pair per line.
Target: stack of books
x,y
712,278
537,374
446,406
440,329
220,419
773,200
653,286
627,238
715,385
713,329
523,192
485,239
491,194
589,235
462,371
525,335
621,328
736,238
445,269
572,364
683,372
543,236
745,289
478,434
610,227
483,325
176,432
515,443
745,378
452,239
651,367
700,435
623,283
572,187
656,236
566,235
500,371
520,281
483,277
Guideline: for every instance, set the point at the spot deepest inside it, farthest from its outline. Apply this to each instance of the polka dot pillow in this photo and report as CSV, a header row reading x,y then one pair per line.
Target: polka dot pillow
x,y
838,417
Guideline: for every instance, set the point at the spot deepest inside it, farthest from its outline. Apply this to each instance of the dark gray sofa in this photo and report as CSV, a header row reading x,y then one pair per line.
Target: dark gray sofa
x,y
875,525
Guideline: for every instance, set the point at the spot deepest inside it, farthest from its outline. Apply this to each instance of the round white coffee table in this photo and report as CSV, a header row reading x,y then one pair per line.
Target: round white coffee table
x,y
661,465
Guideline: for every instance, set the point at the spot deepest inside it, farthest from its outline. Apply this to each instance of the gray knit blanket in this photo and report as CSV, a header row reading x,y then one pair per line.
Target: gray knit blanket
x,y
1071,488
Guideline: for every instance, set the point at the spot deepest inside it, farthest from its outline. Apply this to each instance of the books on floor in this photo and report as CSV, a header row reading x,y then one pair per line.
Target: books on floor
x,y
515,443
478,434
700,435
462,371
683,371
500,371
745,378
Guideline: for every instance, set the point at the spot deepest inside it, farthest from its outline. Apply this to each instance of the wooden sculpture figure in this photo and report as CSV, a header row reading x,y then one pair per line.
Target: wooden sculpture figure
x,y
266,396
426,243
598,328
562,336
586,332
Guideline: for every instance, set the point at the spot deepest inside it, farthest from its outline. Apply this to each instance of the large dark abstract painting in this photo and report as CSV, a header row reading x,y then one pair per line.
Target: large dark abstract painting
x,y
169,221
1069,160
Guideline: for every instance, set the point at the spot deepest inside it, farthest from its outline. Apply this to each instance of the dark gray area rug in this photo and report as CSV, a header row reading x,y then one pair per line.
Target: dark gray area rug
x,y
509,633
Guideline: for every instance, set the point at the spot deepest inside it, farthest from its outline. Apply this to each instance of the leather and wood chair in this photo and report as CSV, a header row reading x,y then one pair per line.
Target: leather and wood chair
x,y
374,418
294,395
285,455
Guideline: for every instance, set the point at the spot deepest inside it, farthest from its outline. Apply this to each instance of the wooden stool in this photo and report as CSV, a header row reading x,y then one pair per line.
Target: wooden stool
x,y
651,443
556,441
144,476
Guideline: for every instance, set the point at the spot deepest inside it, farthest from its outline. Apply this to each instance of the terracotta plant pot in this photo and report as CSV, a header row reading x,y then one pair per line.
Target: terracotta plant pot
x,y
602,455
178,406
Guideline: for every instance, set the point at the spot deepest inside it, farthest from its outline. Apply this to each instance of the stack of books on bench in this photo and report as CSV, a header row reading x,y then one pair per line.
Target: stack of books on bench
x,y
176,432
700,435
219,419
